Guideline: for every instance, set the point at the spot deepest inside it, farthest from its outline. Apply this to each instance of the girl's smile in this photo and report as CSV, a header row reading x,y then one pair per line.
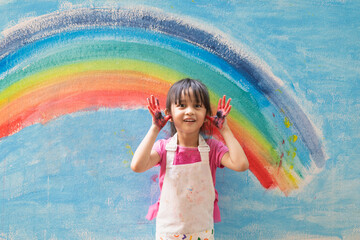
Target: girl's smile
x,y
189,120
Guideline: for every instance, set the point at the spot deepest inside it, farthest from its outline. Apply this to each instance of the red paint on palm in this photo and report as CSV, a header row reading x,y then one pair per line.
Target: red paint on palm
x,y
222,111
154,108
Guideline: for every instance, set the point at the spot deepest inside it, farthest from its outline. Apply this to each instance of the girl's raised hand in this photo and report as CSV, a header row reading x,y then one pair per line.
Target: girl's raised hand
x,y
154,108
222,111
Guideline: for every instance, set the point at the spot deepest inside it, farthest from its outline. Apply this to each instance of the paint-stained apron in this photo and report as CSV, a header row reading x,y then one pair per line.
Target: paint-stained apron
x,y
187,196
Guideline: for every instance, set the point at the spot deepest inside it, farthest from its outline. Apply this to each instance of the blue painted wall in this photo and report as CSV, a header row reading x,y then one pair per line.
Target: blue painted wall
x,y
55,188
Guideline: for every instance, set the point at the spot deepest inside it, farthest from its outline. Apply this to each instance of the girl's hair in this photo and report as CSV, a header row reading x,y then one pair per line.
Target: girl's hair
x,y
201,94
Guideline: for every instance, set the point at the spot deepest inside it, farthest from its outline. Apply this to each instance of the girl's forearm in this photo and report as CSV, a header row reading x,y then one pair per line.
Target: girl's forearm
x,y
236,152
141,159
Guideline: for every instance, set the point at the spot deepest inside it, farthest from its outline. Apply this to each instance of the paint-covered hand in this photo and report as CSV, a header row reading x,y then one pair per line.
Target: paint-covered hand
x,y
222,111
154,108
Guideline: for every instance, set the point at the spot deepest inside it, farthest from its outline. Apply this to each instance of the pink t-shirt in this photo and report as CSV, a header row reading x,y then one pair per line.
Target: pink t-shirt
x,y
185,155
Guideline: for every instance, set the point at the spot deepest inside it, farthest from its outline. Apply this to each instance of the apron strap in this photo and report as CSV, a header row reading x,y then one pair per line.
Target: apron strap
x,y
171,148
204,149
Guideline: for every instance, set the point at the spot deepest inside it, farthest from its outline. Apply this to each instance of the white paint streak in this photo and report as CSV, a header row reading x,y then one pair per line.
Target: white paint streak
x,y
33,162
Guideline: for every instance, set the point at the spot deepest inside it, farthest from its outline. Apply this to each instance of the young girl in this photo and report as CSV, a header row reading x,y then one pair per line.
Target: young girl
x,y
187,208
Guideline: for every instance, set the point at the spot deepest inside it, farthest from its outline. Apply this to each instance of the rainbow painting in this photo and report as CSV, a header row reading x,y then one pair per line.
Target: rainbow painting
x,y
128,55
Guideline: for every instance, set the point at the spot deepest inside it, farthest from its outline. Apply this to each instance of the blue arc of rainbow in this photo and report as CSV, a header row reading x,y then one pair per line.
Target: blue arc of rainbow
x,y
116,58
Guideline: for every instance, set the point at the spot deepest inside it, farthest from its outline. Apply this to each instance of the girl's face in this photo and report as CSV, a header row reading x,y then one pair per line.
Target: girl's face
x,y
188,115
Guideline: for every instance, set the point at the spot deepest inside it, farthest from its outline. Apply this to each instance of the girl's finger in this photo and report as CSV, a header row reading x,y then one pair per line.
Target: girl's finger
x,y
219,104
153,100
149,101
228,103
227,111
151,111
157,104
223,102
227,107
149,104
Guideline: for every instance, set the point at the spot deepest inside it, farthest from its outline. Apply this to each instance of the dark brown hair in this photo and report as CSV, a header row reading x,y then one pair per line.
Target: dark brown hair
x,y
200,92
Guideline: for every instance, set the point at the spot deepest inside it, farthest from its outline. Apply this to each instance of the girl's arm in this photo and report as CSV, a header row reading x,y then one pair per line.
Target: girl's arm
x,y
235,159
144,157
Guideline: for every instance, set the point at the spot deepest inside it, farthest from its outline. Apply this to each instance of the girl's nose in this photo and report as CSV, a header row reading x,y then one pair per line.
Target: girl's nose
x,y
189,110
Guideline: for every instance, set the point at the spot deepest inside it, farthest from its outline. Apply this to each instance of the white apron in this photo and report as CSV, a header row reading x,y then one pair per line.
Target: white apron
x,y
188,194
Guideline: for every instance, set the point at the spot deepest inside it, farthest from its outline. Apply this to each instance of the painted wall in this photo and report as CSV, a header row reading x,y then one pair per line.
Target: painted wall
x,y
74,76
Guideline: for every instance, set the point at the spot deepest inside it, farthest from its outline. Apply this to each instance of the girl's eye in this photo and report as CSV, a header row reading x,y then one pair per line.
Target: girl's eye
x,y
198,105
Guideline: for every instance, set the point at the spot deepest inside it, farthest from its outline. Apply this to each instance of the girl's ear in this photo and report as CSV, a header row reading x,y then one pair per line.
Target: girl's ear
x,y
167,112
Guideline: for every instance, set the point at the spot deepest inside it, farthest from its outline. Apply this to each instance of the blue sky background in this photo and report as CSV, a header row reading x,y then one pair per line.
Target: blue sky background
x,y
312,46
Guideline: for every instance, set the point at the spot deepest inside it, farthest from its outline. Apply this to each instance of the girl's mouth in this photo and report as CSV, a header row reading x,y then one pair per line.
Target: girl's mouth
x,y
189,120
